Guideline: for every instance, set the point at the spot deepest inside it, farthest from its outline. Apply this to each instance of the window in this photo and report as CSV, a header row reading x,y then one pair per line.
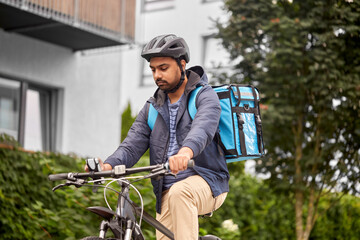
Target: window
x,y
215,58
207,1
146,78
9,107
154,5
28,113
214,54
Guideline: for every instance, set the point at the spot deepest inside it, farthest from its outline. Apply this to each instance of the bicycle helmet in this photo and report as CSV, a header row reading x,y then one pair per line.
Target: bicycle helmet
x,y
166,46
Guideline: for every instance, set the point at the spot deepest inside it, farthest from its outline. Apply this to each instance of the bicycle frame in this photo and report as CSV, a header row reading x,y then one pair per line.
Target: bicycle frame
x,y
122,222
126,209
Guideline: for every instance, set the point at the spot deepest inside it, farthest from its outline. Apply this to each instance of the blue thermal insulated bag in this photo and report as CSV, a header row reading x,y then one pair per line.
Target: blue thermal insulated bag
x,y
240,134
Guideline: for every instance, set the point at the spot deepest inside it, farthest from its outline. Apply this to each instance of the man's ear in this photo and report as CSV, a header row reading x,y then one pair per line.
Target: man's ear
x,y
183,64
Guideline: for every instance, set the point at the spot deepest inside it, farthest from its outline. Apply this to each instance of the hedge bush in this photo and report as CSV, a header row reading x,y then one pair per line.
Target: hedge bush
x,y
29,208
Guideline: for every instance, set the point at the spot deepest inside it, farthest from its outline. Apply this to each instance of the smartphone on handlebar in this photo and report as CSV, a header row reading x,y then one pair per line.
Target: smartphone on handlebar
x,y
94,166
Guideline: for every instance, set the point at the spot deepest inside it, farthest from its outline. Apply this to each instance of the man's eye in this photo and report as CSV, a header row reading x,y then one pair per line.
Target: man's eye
x,y
164,69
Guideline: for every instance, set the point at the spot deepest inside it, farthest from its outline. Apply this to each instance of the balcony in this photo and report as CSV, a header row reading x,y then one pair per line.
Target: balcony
x,y
75,24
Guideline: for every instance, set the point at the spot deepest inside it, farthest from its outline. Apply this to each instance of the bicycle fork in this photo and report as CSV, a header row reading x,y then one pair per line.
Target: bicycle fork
x,y
103,228
129,229
125,211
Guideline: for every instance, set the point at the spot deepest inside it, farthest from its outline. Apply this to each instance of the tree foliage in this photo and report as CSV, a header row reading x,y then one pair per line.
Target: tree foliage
x,y
126,121
304,56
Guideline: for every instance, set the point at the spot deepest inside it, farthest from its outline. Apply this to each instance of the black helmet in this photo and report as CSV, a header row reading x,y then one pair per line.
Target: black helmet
x,y
166,46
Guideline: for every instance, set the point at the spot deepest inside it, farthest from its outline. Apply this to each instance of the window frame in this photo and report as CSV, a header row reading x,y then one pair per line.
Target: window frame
x,y
145,2
205,54
210,1
145,75
50,112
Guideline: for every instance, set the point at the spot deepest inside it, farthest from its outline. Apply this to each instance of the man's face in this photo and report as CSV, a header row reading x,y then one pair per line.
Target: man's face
x,y
166,72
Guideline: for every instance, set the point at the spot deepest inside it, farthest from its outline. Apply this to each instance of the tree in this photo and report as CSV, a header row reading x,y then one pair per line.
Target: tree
x,y
126,121
304,55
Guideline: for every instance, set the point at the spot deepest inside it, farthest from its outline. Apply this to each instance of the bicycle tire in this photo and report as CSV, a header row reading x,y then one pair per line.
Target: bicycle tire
x,y
209,237
96,238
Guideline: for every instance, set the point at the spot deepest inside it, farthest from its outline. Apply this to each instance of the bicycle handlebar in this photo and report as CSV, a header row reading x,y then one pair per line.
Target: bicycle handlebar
x,y
56,177
118,171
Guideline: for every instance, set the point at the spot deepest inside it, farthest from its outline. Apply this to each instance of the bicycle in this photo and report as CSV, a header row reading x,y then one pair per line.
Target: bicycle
x,y
123,221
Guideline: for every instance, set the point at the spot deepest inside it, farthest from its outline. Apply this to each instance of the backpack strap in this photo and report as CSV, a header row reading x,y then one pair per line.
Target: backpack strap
x,y
257,119
192,102
192,111
240,123
152,115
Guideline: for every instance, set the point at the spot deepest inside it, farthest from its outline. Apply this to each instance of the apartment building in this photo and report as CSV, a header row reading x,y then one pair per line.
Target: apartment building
x,y
194,20
68,68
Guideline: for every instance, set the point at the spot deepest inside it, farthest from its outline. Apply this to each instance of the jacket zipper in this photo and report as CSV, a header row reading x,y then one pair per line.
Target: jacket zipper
x,y
166,150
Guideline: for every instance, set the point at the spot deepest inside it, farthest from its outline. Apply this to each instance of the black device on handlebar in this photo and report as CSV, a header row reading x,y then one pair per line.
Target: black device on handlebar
x,y
93,164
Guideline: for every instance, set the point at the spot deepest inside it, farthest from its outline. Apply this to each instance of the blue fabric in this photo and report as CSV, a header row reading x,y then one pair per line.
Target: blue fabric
x,y
152,117
174,146
173,109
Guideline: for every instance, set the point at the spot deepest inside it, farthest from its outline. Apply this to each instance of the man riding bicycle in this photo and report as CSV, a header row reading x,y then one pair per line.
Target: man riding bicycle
x,y
176,138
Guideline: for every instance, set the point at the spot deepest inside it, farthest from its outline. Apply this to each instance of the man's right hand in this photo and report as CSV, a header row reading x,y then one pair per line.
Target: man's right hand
x,y
104,166
180,161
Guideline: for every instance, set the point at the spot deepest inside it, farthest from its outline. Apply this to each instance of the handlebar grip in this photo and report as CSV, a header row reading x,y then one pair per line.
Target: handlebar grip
x,y
191,163
56,177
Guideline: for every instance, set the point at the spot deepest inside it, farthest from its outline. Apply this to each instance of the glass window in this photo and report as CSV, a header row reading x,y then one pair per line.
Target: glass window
x,y
216,59
9,107
33,137
214,53
27,113
154,5
206,1
146,78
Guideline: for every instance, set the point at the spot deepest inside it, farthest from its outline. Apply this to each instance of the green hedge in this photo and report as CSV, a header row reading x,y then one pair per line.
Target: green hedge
x,y
30,210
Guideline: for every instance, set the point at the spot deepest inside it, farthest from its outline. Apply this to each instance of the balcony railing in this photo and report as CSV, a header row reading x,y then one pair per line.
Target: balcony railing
x,y
112,19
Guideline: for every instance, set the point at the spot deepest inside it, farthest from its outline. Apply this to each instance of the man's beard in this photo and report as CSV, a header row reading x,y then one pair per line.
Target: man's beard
x,y
164,85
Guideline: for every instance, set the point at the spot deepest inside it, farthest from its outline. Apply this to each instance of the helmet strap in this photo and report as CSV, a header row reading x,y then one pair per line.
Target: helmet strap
x,y
182,78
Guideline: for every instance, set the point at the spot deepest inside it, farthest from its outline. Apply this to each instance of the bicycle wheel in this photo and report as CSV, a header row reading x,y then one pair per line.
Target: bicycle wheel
x,y
209,237
96,238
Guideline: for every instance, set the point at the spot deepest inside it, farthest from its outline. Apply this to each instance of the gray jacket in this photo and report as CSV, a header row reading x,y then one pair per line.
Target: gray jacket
x,y
197,134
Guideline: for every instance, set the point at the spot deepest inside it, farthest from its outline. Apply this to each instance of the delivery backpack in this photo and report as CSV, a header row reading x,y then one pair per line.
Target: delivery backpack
x,y
240,133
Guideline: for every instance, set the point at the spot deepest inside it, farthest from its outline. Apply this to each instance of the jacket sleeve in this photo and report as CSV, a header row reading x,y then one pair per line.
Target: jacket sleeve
x,y
206,121
135,144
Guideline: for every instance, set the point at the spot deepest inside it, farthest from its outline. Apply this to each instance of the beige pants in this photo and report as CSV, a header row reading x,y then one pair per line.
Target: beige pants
x,y
181,205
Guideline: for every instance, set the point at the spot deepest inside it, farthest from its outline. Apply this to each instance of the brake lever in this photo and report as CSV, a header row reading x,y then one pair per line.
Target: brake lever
x,y
59,186
159,173
78,183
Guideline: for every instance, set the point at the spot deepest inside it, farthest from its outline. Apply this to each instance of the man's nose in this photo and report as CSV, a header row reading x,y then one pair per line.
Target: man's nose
x,y
157,74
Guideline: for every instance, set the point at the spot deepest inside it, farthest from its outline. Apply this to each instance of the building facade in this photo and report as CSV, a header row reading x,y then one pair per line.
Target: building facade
x,y
62,93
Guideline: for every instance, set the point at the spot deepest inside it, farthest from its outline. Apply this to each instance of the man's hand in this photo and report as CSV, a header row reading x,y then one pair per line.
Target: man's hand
x,y
104,166
180,161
